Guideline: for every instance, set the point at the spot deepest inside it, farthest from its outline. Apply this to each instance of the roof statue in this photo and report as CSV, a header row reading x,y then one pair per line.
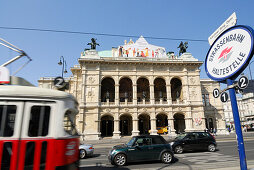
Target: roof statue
x,y
183,47
93,44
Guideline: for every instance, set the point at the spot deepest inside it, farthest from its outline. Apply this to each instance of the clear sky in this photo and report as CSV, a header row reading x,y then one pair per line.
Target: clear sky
x,y
181,19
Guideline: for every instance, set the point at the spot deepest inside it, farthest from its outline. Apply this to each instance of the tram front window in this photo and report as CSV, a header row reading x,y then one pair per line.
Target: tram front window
x,y
69,125
7,120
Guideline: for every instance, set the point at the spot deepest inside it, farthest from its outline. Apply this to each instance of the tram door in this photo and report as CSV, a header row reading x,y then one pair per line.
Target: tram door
x,y
23,131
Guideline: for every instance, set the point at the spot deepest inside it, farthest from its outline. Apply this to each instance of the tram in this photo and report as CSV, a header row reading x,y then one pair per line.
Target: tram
x,y
37,130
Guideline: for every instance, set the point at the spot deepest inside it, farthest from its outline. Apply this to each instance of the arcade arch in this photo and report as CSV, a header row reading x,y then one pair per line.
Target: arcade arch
x,y
125,89
179,123
107,125
160,89
161,120
143,89
108,89
126,124
176,89
144,123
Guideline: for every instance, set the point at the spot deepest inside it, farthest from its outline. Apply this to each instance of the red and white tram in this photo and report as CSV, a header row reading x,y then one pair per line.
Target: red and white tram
x,y
37,129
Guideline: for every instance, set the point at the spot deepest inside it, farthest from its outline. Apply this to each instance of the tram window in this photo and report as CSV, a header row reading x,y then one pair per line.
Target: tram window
x,y
39,121
29,159
69,125
7,120
6,156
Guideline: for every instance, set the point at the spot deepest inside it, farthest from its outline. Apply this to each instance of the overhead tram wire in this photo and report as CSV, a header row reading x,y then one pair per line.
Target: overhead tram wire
x,y
100,34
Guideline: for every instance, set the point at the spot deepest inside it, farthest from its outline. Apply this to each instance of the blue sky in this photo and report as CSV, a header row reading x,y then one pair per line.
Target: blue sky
x,y
185,19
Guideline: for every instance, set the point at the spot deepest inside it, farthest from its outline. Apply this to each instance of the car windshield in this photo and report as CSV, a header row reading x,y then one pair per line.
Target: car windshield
x,y
181,136
131,142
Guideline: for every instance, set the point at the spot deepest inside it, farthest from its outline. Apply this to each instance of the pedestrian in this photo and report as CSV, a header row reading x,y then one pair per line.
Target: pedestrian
x,y
214,131
245,129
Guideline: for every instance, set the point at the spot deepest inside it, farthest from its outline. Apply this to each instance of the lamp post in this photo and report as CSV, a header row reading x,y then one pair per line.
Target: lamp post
x,y
250,70
63,62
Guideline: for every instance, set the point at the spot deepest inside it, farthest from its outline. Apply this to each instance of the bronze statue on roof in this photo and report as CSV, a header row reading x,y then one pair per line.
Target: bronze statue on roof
x,y
183,47
93,44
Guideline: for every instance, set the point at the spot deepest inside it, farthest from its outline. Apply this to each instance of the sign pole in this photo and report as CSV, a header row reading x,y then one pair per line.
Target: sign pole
x,y
238,129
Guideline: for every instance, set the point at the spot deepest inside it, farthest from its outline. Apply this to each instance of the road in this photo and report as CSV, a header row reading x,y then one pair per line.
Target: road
x,y
225,157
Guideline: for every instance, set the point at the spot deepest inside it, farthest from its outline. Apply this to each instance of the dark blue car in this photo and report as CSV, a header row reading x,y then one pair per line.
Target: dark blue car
x,y
141,148
194,141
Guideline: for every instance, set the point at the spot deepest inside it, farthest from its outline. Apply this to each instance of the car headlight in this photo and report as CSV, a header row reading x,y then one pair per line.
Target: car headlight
x,y
171,143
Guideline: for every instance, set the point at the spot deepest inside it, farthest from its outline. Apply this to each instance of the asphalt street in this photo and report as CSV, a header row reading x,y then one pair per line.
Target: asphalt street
x,y
226,157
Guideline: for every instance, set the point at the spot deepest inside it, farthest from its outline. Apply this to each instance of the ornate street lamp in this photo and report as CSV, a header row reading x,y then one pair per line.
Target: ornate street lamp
x,y
63,62
160,94
107,95
144,94
126,95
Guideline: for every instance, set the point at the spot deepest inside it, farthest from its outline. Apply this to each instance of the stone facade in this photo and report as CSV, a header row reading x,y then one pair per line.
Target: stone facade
x,y
121,96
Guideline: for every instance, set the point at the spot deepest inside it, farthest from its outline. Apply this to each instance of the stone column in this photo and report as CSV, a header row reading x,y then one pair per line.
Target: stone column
x,y
171,124
117,94
135,130
188,122
116,133
169,98
186,93
134,93
153,124
83,90
152,93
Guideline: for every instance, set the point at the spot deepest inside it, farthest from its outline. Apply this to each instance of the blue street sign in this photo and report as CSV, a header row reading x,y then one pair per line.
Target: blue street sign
x,y
226,59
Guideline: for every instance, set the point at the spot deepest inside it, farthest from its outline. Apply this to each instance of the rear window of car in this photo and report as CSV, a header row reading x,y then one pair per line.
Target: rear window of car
x,y
203,135
158,140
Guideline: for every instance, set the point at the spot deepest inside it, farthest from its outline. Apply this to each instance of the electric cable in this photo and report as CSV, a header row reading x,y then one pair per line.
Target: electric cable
x,y
100,34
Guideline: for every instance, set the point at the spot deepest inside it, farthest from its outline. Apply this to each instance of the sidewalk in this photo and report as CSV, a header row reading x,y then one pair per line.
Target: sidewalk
x,y
110,141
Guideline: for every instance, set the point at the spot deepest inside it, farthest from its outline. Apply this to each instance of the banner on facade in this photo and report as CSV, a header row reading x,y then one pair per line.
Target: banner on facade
x,y
198,121
141,48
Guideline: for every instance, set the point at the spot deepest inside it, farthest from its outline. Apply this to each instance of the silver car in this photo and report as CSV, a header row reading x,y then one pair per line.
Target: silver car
x,y
85,150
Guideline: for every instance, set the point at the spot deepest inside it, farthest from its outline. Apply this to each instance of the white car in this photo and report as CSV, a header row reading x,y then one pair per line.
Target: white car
x,y
85,150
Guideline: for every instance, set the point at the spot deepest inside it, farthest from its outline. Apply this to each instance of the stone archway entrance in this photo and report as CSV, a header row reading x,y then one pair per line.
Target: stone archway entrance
x,y
179,123
161,120
125,125
107,126
144,124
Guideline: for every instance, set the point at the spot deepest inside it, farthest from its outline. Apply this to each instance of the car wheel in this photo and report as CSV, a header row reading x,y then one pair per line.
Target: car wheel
x,y
167,157
178,149
82,154
120,159
211,148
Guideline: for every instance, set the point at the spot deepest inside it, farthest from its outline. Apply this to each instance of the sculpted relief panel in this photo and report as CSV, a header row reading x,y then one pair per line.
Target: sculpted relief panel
x,y
91,79
192,80
90,94
193,93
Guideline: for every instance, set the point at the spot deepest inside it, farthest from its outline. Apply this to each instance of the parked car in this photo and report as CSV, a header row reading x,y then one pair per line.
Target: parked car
x,y
141,148
194,141
85,150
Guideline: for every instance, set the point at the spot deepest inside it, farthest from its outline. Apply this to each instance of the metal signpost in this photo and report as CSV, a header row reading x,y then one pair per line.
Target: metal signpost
x,y
226,59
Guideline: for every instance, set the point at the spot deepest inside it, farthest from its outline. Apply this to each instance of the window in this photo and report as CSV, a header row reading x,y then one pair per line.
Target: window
x,y
69,125
29,158
7,120
202,135
158,140
144,141
205,99
39,121
6,155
